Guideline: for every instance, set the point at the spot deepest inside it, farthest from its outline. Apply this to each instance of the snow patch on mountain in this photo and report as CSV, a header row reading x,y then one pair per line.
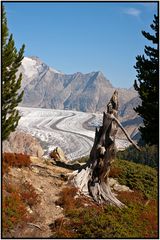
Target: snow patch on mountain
x,y
29,66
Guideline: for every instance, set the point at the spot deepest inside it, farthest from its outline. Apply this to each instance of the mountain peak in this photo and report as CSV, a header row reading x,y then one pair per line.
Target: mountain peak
x,y
35,58
100,75
46,87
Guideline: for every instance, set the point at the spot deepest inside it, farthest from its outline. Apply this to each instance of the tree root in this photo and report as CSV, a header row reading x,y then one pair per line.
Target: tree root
x,y
100,191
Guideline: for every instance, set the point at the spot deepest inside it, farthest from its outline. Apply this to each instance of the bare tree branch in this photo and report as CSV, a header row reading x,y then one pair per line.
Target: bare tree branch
x,y
128,137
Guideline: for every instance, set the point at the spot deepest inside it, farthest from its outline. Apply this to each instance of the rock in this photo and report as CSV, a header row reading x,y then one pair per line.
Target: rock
x,y
121,188
39,190
20,142
58,155
29,209
117,187
112,182
35,170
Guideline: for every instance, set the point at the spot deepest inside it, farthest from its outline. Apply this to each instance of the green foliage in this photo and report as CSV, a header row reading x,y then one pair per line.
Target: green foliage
x,y
137,177
138,220
148,155
148,86
11,60
85,219
112,223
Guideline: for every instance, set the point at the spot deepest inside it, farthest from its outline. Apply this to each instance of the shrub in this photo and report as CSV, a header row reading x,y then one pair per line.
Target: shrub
x,y
5,167
86,219
108,222
147,156
137,177
115,172
67,198
13,212
14,160
15,199
28,194
131,197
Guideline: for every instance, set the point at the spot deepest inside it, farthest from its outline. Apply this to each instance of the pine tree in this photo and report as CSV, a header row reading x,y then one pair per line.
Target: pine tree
x,y
148,86
11,60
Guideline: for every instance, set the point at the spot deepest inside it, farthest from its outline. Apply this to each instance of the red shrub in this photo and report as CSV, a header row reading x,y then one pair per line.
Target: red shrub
x,y
15,160
131,197
15,199
66,199
13,212
150,218
5,168
28,194
114,172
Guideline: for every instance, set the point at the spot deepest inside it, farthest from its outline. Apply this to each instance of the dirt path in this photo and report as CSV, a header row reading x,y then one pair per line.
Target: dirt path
x,y
48,182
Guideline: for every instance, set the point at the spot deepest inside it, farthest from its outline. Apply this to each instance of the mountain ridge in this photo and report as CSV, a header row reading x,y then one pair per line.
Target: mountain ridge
x,y
48,88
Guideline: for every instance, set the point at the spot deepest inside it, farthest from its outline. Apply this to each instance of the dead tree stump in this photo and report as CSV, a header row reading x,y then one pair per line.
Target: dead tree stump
x,y
93,179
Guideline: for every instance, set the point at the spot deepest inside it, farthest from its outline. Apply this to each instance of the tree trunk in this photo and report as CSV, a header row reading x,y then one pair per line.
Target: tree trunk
x,y
93,179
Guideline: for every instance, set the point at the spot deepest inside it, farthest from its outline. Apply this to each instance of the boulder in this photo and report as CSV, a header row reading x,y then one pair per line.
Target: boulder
x,y
58,155
114,184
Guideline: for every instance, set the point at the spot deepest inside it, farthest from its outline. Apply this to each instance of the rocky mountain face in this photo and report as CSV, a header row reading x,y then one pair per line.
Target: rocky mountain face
x,y
127,109
47,88
129,118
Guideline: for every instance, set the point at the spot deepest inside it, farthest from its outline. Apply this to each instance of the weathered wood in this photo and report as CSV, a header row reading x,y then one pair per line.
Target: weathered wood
x,y
128,137
93,179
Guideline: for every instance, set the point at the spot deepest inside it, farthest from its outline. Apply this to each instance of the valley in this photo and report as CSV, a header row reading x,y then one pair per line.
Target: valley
x,y
73,131
63,110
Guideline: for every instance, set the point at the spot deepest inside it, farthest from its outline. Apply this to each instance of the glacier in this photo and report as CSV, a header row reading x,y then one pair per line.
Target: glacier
x,y
67,129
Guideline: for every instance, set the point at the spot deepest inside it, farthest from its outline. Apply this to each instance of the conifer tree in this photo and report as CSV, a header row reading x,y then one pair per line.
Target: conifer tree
x,y
147,85
11,60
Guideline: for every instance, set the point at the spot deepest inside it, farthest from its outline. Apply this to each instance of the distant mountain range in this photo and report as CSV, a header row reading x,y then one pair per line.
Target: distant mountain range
x,y
48,88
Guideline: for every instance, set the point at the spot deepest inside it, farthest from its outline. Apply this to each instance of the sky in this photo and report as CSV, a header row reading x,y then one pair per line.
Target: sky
x,y
84,37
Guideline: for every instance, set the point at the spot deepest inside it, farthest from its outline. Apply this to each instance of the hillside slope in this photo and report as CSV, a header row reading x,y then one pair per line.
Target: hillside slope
x,y
49,209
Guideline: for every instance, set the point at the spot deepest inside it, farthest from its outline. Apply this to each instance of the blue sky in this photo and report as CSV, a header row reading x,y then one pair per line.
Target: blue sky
x,y
84,37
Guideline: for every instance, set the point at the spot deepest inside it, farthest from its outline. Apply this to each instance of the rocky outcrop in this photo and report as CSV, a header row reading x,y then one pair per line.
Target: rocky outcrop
x,y
58,155
20,142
